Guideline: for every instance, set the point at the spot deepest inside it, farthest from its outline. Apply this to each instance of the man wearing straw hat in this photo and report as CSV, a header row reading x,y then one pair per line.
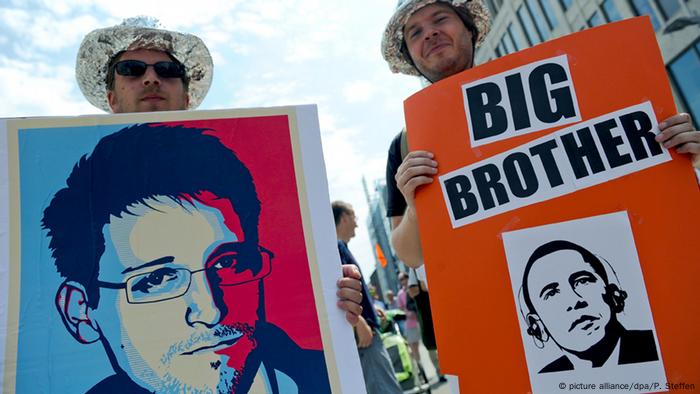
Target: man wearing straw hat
x,y
435,39
137,66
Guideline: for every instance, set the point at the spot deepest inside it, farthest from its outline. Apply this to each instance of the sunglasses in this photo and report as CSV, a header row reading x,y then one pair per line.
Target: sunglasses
x,y
136,68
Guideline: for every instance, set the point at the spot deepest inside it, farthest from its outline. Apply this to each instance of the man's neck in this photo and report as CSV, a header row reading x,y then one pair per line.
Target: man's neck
x,y
342,237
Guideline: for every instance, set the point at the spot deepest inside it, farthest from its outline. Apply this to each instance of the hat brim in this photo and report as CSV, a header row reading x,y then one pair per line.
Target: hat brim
x,y
99,46
393,34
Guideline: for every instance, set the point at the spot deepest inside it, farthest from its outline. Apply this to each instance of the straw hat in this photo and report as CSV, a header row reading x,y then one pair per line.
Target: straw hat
x,y
99,46
393,34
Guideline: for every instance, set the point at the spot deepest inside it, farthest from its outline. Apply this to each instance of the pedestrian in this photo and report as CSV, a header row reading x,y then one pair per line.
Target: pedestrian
x,y
377,368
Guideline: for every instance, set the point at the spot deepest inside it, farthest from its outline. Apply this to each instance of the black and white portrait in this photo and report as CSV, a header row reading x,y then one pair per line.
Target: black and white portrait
x,y
581,301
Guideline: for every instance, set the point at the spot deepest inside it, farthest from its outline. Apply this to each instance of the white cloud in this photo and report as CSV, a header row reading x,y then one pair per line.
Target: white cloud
x,y
47,33
177,13
31,89
359,91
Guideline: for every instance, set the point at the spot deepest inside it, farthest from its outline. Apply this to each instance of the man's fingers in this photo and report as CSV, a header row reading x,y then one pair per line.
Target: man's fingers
x,y
420,170
350,306
675,119
351,271
418,154
690,147
349,294
417,181
352,318
682,138
679,129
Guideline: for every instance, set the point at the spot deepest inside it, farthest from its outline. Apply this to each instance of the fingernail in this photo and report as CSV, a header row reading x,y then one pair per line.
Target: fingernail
x,y
662,125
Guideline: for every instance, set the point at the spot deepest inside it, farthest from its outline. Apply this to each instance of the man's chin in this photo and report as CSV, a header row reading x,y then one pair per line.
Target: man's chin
x,y
203,372
154,106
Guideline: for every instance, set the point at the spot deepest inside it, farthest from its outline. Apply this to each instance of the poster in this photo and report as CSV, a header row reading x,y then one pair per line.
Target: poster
x,y
556,143
170,252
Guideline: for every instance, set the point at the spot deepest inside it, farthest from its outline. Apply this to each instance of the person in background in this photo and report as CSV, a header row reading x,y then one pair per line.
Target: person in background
x,y
376,364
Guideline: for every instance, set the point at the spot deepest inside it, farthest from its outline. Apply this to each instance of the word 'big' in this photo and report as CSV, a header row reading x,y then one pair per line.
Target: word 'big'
x,y
533,97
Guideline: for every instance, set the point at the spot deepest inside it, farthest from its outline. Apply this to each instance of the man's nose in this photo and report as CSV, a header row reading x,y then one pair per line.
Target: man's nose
x,y
150,76
579,305
201,307
430,33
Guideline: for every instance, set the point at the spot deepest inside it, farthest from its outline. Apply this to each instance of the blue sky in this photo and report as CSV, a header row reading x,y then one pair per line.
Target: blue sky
x,y
266,53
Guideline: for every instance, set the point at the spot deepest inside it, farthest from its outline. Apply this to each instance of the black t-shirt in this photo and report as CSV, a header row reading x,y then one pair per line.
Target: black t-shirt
x,y
395,203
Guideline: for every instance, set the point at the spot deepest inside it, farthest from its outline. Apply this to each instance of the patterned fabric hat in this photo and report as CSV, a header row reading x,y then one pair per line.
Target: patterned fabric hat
x,y
393,34
99,46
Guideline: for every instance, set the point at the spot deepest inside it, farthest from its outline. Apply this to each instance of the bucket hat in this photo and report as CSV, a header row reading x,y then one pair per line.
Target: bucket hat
x,y
142,32
393,34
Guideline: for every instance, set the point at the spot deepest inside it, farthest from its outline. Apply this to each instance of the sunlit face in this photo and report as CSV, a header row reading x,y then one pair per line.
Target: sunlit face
x,y
199,340
439,43
148,92
403,281
350,222
567,296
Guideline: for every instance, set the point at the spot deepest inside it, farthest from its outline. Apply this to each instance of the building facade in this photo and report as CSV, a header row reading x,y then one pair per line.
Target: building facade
x,y
519,24
385,277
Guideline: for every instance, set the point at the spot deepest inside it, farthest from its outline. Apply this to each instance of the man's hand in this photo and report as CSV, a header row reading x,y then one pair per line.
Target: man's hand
x,y
417,168
350,293
364,333
678,132
380,314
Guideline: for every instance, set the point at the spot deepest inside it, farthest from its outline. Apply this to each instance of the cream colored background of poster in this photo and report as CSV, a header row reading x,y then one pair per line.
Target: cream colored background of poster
x,y
315,184
339,344
610,237
4,244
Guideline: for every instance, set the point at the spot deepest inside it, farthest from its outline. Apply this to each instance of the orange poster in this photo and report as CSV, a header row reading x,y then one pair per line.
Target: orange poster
x,y
558,235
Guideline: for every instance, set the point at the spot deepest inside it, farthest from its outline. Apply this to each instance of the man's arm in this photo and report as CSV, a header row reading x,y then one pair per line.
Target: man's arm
x,y
418,168
364,333
406,239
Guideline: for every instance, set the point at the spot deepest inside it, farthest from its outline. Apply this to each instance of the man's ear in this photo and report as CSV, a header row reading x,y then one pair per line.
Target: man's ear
x,y
72,305
536,329
111,100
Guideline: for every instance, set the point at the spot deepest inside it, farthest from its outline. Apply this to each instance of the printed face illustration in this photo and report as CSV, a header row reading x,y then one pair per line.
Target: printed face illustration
x,y
567,296
187,315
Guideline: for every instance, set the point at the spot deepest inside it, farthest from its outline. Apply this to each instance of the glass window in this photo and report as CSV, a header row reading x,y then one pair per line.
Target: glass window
x,y
502,48
549,13
668,7
595,19
508,43
610,11
642,7
516,37
566,4
684,71
532,36
491,7
540,22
